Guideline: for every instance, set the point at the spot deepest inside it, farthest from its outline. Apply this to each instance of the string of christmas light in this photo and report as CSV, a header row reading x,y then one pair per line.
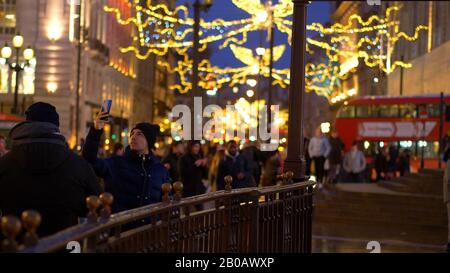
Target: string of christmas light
x,y
336,49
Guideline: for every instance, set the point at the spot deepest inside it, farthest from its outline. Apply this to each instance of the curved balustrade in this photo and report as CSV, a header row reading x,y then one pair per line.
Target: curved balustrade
x,y
270,219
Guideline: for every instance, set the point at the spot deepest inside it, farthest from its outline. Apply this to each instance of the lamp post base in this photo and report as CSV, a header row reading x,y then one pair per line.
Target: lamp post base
x,y
298,167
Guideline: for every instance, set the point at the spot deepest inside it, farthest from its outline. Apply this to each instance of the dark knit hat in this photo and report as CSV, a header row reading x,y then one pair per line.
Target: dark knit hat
x,y
44,112
150,132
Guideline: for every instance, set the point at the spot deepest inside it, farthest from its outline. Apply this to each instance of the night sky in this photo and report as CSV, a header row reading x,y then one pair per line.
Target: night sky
x,y
318,11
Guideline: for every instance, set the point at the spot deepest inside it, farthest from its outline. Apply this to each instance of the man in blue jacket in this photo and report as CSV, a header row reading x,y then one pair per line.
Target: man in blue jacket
x,y
235,165
134,179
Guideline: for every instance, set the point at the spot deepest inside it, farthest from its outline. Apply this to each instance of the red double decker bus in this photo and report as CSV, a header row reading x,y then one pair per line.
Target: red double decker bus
x,y
7,122
410,122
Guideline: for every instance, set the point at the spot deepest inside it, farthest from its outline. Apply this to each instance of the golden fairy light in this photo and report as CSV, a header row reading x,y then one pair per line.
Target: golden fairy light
x,y
169,29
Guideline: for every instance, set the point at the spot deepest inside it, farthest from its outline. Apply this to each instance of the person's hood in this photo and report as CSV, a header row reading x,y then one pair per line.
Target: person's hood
x,y
234,157
38,147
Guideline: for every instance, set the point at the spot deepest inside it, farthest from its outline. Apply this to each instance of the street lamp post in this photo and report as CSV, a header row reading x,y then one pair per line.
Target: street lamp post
x,y
295,161
17,67
78,86
269,99
198,7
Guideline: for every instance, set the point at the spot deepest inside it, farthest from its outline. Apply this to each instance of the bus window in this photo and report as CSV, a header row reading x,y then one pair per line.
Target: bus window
x,y
388,111
347,111
408,111
433,110
365,111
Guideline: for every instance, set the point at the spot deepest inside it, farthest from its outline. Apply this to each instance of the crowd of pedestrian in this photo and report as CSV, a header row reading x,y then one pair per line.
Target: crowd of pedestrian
x,y
331,162
42,173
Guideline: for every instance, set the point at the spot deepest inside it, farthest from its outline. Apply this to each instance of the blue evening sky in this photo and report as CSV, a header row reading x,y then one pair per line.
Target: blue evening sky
x,y
318,11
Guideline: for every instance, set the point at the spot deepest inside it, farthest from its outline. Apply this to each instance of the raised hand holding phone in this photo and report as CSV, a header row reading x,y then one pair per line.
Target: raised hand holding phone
x,y
102,117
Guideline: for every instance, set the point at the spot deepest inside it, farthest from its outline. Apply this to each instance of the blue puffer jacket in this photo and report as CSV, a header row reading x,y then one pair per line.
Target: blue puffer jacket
x,y
133,180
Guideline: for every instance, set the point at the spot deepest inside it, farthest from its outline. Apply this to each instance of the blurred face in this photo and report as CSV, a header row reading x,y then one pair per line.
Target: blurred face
x,y
355,148
318,132
138,142
2,144
179,149
195,150
232,148
120,152
334,134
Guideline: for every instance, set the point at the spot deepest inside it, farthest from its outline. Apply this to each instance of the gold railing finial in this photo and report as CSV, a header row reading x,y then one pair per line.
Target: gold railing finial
x,y
93,203
178,188
289,177
31,220
11,227
228,181
107,200
166,188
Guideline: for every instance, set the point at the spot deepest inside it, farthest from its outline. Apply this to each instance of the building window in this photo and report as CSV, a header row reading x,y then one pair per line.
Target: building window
x,y
7,16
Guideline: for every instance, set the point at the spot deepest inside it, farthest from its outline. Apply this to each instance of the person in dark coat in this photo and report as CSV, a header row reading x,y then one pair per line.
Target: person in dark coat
x,y
192,170
134,179
253,156
335,157
404,162
41,173
235,165
171,160
307,157
392,161
380,163
272,170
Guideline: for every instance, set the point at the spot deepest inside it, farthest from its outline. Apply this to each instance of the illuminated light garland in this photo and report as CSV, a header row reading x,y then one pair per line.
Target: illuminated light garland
x,y
317,77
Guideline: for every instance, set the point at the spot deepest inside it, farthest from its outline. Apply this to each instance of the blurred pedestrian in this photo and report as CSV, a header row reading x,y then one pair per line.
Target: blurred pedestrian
x,y
235,165
354,164
41,173
404,162
392,161
272,169
134,179
252,154
118,149
307,156
380,164
214,166
319,149
171,160
3,150
192,170
335,156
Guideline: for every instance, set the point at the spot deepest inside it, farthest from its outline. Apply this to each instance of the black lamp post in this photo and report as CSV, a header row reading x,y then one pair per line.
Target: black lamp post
x,y
17,66
198,7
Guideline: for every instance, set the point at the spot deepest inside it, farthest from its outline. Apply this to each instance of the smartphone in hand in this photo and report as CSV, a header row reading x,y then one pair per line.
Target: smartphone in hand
x,y
106,107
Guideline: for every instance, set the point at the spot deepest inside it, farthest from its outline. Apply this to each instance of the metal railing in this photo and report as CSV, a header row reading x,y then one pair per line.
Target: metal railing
x,y
250,220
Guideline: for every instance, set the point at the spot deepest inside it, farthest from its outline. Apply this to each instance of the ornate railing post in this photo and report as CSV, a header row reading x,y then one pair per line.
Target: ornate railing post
x,y
93,203
287,216
107,200
254,223
31,220
174,225
11,227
